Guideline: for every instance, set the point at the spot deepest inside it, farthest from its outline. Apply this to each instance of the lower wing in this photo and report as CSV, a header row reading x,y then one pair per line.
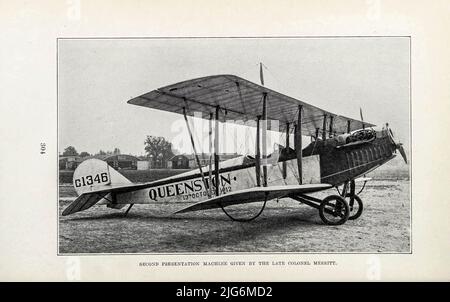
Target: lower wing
x,y
253,195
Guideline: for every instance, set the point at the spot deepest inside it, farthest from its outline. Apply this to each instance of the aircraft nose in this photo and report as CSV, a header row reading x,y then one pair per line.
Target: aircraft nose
x,y
398,146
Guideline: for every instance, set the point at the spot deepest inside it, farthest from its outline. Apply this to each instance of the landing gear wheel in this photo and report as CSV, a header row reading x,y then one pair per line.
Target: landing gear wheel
x,y
356,209
334,210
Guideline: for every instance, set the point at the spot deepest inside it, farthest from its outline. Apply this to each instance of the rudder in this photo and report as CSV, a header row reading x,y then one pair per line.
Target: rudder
x,y
94,174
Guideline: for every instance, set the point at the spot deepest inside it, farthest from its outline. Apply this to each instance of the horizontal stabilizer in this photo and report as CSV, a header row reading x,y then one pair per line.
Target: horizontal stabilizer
x,y
254,195
88,199
83,202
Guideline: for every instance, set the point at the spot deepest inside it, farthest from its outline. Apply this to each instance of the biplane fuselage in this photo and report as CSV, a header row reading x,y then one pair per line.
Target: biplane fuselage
x,y
324,162
338,165
345,151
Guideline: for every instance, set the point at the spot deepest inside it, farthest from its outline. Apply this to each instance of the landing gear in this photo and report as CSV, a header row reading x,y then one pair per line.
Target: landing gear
x,y
354,201
334,210
356,209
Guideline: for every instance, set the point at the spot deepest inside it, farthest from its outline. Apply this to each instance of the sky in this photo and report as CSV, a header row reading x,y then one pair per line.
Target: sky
x,y
96,78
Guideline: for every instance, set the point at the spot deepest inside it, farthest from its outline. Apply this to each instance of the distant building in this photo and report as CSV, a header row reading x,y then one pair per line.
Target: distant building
x,y
180,161
118,161
69,162
143,165
130,162
188,161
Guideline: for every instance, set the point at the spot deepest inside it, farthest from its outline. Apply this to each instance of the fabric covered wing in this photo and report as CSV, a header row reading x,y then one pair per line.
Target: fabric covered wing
x,y
240,100
253,195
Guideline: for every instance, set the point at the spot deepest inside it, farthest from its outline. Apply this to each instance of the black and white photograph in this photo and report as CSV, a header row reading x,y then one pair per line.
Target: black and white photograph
x,y
224,141
227,145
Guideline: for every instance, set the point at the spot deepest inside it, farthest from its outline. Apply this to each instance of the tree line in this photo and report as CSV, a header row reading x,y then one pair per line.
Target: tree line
x,y
157,149
72,151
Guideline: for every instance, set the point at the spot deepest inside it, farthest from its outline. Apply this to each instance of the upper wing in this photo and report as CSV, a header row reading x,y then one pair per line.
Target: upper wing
x,y
241,100
253,195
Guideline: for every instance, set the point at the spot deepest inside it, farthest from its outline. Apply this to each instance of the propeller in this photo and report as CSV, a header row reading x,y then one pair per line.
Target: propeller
x,y
398,146
402,152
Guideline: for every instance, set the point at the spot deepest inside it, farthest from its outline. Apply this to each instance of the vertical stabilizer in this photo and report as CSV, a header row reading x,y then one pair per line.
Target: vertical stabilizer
x,y
94,174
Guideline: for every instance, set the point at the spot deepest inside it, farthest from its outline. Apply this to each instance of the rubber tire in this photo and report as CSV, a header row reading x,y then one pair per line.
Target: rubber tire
x,y
322,207
360,208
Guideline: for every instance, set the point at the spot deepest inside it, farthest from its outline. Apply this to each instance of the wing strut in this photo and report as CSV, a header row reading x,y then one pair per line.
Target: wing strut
x,y
264,139
287,148
264,133
210,153
298,143
331,127
195,152
258,154
216,151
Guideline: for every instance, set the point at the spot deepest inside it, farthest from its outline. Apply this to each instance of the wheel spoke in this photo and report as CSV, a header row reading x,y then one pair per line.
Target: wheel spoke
x,y
328,211
334,210
341,215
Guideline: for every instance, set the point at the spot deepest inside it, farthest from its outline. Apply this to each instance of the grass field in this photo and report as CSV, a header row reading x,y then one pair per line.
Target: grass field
x,y
285,226
395,169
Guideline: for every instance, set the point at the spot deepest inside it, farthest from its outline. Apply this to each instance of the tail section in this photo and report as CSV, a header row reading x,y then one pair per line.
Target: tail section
x,y
95,182
94,175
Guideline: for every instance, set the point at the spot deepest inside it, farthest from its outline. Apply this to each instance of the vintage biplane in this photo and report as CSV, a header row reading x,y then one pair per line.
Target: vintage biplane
x,y
341,150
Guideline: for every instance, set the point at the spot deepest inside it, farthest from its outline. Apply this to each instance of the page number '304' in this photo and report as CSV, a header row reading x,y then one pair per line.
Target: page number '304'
x,y
43,148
